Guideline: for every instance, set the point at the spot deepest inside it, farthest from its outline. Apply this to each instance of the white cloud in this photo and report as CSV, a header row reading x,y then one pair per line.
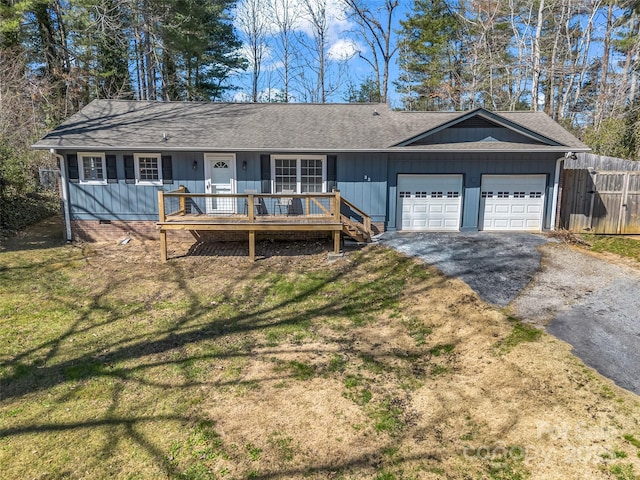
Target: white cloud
x,y
273,66
264,96
343,49
337,21
241,97
247,52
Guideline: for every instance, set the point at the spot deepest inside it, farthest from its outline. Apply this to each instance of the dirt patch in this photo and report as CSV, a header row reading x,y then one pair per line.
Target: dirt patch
x,y
209,366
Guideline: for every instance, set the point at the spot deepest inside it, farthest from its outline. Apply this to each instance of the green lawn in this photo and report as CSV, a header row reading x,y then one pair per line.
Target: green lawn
x,y
623,246
114,365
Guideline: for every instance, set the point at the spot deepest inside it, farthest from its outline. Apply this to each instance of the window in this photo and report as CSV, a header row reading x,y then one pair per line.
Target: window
x,y
92,168
300,173
148,168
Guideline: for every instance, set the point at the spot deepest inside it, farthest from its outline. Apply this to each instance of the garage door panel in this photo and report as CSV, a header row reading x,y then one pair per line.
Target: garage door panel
x,y
430,202
512,202
419,209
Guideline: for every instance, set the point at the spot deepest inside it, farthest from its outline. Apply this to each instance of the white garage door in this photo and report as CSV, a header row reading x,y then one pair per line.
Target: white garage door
x,y
512,202
429,202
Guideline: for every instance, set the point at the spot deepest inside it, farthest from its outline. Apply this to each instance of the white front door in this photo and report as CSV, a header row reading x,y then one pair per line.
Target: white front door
x,y
429,202
220,173
512,202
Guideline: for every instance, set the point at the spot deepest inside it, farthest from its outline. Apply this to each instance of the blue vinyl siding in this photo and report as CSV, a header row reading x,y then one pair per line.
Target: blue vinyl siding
x,y
248,179
368,180
461,135
128,201
472,166
368,194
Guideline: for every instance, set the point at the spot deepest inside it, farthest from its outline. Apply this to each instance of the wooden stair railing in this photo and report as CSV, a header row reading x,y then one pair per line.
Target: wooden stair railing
x,y
359,231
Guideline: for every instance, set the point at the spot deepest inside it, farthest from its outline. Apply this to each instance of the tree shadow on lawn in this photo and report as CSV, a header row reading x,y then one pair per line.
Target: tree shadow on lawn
x,y
35,370
48,233
179,335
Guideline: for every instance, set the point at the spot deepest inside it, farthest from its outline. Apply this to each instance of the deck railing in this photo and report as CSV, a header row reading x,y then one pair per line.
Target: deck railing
x,y
248,207
260,212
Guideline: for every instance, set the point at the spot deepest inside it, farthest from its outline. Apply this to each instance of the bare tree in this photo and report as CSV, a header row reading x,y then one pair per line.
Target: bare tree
x,y
316,13
286,17
604,72
535,58
376,27
251,19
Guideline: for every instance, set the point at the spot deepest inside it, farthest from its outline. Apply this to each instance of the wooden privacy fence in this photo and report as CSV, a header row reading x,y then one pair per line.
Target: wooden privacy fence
x,y
605,202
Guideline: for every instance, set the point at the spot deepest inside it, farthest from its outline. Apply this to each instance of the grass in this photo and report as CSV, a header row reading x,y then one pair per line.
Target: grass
x,y
388,417
622,472
520,333
623,246
439,350
114,365
632,440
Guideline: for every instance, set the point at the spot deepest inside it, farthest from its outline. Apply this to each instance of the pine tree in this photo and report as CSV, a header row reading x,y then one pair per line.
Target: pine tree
x,y
431,58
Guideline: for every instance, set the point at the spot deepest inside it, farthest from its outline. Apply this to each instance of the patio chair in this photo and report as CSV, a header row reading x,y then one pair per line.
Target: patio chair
x,y
259,206
284,203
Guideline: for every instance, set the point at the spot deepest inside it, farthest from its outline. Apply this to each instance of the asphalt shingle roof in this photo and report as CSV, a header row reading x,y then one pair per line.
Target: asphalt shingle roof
x,y
144,125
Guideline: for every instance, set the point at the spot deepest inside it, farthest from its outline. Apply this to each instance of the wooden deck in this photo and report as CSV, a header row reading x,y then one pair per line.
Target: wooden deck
x,y
252,213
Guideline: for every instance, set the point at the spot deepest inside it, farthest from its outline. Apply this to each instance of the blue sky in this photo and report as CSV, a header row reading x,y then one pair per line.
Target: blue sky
x,y
343,43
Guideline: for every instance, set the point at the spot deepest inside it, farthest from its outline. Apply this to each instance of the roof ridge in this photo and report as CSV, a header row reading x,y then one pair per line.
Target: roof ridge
x,y
204,102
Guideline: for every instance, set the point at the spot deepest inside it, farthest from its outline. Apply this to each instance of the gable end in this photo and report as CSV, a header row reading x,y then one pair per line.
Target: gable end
x,y
479,126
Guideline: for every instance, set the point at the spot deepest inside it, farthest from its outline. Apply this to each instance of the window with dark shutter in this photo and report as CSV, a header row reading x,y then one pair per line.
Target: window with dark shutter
x,y
265,173
112,169
72,168
129,169
332,179
167,169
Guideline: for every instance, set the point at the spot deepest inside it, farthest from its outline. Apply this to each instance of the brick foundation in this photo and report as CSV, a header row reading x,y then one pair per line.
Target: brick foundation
x,y
97,231
377,227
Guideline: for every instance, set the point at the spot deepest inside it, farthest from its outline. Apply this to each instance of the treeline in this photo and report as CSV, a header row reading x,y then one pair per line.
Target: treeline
x,y
143,49
58,55
577,60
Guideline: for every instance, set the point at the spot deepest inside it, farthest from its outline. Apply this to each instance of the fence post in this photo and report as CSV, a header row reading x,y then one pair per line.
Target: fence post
x,y
336,206
183,200
161,214
250,207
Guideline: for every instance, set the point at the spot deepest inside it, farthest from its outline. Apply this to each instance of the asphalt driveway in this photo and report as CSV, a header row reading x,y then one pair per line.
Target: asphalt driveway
x,y
496,265
591,303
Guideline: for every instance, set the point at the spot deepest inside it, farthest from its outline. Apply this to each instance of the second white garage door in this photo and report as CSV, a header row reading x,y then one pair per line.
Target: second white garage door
x,y
512,202
429,202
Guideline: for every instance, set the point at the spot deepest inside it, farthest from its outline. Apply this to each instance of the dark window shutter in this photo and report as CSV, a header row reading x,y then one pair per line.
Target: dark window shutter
x,y
129,169
72,168
167,169
331,172
265,173
112,169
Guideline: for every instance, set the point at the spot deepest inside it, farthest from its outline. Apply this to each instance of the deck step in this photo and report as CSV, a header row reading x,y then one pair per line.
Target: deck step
x,y
356,232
